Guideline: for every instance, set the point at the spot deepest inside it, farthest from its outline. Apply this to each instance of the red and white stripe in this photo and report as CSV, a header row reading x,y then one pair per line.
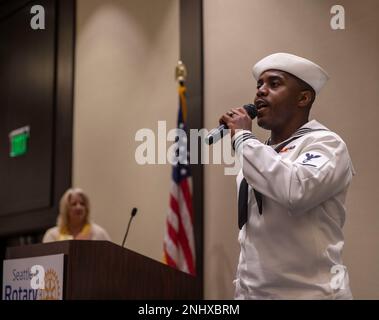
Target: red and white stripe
x,y
179,242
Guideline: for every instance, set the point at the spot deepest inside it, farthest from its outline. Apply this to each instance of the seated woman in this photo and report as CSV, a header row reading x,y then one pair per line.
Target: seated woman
x,y
73,220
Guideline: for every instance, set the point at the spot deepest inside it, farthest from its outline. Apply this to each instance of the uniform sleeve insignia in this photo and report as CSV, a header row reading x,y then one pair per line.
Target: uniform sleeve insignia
x,y
312,159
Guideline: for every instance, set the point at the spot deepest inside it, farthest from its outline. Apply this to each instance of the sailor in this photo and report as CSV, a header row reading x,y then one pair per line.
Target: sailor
x,y
291,189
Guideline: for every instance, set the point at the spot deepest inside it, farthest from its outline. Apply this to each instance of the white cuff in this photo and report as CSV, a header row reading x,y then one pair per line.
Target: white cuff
x,y
240,137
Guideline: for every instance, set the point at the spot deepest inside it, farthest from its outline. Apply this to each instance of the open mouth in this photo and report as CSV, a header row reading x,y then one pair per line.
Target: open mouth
x,y
260,103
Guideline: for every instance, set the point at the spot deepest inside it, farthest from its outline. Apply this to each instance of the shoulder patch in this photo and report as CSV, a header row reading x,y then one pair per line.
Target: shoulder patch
x,y
312,159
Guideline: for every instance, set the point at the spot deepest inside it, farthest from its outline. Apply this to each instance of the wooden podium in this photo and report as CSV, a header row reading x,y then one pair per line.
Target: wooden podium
x,y
103,270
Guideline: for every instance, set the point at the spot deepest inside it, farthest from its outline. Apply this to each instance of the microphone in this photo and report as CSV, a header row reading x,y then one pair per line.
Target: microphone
x,y
218,133
134,212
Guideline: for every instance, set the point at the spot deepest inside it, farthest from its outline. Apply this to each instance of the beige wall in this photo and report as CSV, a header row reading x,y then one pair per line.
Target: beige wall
x,y
126,53
237,34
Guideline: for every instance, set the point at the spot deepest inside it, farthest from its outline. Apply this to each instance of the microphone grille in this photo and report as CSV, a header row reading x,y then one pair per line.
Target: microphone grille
x,y
251,110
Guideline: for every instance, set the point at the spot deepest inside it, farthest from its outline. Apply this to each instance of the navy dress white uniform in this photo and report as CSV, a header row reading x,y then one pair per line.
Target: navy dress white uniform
x,y
293,249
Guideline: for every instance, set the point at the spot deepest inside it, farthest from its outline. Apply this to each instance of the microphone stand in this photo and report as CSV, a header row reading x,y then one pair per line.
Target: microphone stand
x,y
134,212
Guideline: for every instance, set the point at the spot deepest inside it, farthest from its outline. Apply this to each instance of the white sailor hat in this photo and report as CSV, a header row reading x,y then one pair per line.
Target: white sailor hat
x,y
300,67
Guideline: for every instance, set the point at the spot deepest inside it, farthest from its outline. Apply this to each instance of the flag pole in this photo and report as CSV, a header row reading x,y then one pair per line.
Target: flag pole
x,y
181,77
181,72
179,240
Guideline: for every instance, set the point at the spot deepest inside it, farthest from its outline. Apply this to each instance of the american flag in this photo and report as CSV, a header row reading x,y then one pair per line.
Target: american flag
x,y
179,242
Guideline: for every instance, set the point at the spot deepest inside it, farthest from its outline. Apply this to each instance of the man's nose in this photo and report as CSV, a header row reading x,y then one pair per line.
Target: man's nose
x,y
262,91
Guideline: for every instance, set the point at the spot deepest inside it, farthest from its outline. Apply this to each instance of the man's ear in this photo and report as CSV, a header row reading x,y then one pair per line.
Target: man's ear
x,y
305,98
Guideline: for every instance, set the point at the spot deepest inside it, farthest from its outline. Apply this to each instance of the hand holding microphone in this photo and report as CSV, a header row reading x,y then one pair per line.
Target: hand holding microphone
x,y
238,118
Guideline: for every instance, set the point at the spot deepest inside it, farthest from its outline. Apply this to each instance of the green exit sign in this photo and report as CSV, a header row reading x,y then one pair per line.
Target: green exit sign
x,y
19,141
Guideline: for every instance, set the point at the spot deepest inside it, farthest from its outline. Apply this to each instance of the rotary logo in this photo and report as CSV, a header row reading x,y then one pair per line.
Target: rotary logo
x,y
52,286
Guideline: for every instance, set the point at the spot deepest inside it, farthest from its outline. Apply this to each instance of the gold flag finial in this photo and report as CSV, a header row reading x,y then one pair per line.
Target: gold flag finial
x,y
180,72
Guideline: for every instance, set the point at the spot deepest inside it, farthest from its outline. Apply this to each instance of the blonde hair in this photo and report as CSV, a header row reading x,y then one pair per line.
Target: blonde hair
x,y
64,207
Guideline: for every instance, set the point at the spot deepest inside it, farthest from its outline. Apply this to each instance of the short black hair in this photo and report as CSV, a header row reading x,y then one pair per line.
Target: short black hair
x,y
306,87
